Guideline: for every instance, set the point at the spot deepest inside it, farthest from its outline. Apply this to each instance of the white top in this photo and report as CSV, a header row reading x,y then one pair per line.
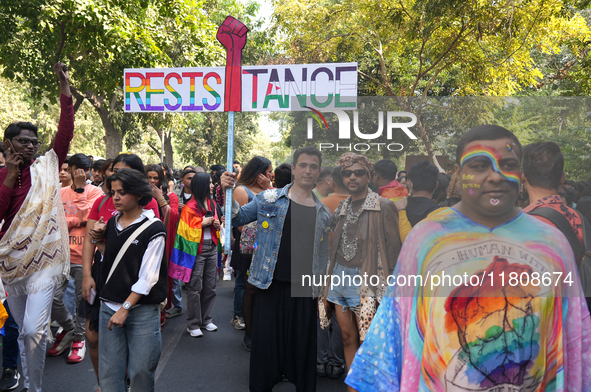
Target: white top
x,y
150,268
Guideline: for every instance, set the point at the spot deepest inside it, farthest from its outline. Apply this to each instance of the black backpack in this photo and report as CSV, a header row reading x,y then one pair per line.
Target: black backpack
x,y
583,254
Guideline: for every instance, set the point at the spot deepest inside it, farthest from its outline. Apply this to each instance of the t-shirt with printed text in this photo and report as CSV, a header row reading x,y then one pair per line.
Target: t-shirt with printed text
x,y
482,332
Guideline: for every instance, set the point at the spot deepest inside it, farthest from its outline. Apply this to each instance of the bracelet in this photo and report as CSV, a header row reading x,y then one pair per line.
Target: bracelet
x,y
402,209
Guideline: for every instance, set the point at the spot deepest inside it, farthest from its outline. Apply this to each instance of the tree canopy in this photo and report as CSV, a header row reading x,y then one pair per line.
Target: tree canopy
x,y
412,49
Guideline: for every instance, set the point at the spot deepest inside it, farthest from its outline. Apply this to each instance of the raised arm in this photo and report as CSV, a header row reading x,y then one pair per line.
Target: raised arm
x,y
65,129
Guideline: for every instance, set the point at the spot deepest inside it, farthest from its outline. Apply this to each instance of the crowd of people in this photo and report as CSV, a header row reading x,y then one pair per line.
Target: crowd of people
x,y
103,249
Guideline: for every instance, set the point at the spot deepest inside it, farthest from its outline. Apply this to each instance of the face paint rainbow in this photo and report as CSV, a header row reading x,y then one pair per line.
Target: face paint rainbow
x,y
481,150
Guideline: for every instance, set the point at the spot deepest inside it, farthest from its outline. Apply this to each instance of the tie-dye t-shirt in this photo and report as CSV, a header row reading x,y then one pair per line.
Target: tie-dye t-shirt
x,y
476,337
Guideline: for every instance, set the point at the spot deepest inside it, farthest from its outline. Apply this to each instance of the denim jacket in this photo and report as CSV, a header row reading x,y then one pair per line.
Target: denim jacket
x,y
269,209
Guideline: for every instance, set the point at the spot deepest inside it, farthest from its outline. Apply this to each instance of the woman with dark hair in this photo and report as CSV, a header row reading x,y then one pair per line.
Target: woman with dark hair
x,y
106,171
168,203
195,254
255,177
102,211
133,284
130,161
168,175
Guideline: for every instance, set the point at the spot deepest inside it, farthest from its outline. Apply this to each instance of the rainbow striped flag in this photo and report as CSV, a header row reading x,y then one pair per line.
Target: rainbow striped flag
x,y
187,244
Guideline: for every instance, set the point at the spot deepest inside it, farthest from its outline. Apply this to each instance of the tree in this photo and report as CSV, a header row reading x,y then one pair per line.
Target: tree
x,y
412,49
203,139
99,38
16,104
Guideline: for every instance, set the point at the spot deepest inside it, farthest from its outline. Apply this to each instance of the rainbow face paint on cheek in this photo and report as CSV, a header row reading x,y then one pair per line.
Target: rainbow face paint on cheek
x,y
481,150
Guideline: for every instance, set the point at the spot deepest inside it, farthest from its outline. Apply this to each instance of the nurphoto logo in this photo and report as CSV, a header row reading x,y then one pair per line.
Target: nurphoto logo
x,y
345,130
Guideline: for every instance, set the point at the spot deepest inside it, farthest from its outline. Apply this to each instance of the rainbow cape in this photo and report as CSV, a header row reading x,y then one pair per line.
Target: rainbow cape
x,y
188,242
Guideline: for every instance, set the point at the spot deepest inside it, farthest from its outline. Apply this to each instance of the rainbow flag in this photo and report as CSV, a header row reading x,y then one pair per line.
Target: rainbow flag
x,y
394,193
187,244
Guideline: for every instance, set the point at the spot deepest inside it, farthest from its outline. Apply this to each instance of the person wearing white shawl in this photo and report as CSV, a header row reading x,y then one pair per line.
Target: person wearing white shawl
x,y
34,248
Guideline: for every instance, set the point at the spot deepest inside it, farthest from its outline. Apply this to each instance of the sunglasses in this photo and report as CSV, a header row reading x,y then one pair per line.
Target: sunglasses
x,y
358,173
25,142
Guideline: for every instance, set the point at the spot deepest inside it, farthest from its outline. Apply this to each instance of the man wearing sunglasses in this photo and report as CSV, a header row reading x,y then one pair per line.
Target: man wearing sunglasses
x,y
34,248
363,251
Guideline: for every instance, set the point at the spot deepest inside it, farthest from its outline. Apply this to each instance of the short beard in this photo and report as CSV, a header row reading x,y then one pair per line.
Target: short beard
x,y
359,190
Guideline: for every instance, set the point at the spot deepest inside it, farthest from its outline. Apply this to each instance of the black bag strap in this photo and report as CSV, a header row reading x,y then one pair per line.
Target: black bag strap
x,y
586,232
563,225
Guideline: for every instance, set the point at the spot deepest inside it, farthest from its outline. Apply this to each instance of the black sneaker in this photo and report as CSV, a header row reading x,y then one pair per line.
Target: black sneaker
x,y
246,342
9,379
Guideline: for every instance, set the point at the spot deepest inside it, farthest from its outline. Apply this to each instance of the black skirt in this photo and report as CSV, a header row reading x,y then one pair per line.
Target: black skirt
x,y
283,339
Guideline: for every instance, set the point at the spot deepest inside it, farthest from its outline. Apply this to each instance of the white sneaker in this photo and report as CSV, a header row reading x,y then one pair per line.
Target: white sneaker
x,y
195,333
77,352
211,327
63,340
228,275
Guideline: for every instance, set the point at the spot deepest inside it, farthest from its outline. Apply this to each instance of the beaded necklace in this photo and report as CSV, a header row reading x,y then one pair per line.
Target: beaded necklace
x,y
350,247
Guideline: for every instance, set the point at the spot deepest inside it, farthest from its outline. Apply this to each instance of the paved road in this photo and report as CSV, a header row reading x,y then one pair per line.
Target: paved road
x,y
215,362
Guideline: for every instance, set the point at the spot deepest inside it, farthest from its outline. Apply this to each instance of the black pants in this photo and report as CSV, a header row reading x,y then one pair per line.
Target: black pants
x,y
283,339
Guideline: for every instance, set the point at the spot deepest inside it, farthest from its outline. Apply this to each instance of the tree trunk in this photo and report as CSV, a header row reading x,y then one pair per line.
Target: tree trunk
x,y
113,137
430,152
209,132
168,153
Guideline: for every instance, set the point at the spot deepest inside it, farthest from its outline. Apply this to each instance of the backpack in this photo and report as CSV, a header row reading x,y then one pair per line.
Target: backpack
x,y
583,254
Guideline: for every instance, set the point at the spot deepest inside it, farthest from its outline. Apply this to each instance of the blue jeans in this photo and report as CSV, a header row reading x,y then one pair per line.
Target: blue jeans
x,y
70,297
348,292
136,347
177,294
10,351
239,288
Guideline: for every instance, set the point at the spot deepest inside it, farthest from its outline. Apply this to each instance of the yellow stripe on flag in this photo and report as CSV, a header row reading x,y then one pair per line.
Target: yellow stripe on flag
x,y
189,233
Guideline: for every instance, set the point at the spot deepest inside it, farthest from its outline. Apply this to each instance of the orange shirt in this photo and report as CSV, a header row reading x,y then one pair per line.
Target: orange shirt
x,y
77,206
332,201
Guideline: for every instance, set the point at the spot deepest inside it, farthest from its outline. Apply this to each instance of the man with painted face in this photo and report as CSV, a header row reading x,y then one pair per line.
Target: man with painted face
x,y
496,303
291,242
34,248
